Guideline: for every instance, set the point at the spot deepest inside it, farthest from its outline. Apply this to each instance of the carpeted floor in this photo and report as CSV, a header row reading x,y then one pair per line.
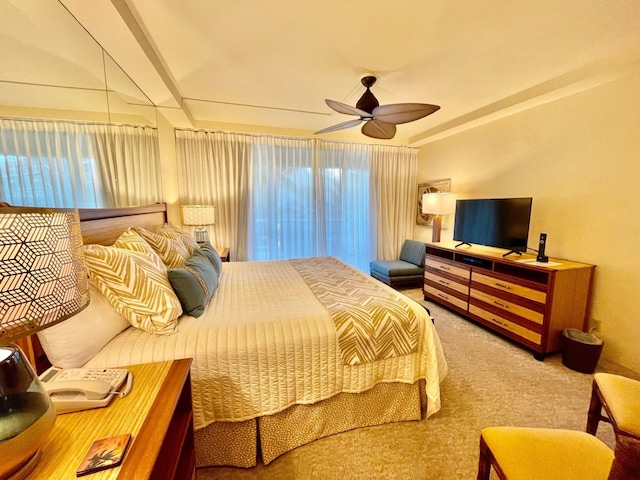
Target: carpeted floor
x,y
490,382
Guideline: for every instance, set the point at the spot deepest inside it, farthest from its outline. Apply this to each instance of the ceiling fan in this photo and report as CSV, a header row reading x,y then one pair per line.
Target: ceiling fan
x,y
380,120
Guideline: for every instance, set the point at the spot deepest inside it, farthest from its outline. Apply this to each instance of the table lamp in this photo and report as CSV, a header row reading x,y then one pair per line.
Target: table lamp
x,y
43,281
438,204
199,216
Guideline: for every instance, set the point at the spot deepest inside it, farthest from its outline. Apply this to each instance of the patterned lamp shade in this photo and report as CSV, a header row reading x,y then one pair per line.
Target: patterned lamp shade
x,y
198,215
43,279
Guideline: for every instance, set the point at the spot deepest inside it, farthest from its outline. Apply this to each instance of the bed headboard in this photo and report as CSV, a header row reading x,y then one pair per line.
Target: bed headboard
x,y
102,226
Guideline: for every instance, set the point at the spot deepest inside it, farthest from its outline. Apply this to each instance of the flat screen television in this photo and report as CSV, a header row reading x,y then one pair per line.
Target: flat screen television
x,y
494,222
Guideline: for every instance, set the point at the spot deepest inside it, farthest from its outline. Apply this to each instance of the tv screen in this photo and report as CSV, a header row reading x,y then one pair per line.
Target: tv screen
x,y
495,222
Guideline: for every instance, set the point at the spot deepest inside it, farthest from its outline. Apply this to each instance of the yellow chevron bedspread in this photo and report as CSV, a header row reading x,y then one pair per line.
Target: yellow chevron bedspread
x,y
371,323
266,342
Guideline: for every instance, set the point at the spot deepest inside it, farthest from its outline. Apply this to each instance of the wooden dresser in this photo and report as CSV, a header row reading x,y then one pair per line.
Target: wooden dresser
x,y
515,296
158,414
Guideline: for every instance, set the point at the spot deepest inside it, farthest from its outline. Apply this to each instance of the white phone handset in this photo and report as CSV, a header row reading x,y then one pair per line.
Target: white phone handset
x,y
76,389
92,389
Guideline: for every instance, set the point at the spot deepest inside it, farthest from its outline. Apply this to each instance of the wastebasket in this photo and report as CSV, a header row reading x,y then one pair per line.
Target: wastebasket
x,y
581,350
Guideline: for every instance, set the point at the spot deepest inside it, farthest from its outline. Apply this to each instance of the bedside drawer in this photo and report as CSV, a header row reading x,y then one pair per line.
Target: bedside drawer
x,y
445,297
506,324
502,304
510,287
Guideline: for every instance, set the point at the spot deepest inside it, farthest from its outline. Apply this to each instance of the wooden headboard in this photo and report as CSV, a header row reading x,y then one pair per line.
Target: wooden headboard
x,y
102,226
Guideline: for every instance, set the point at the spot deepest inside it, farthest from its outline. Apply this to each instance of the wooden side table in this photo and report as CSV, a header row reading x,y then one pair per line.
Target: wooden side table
x,y
224,253
158,414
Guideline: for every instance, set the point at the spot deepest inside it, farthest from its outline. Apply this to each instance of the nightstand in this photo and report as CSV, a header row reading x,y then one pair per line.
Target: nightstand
x,y
158,414
224,253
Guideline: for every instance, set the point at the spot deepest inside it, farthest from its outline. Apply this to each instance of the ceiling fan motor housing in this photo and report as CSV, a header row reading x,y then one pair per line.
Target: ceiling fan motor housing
x,y
368,101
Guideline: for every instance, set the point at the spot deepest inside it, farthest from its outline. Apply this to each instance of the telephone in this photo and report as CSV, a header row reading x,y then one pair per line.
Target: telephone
x,y
75,389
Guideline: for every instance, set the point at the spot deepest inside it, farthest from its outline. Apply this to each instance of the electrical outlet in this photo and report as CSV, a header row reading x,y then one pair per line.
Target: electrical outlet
x,y
596,325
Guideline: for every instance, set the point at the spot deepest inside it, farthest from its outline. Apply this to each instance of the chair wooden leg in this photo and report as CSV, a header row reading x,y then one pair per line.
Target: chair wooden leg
x,y
595,410
484,462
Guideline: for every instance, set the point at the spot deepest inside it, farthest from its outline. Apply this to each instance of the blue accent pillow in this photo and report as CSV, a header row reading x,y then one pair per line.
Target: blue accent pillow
x,y
194,283
211,253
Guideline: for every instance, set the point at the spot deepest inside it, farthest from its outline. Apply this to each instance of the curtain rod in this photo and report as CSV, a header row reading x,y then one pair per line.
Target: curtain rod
x,y
256,135
75,122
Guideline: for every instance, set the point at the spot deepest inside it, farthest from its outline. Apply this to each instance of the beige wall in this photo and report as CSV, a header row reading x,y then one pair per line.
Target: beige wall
x,y
579,158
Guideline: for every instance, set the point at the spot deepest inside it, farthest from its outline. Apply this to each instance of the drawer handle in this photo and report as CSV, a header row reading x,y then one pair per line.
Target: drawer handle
x,y
445,297
506,287
499,322
501,304
443,282
444,268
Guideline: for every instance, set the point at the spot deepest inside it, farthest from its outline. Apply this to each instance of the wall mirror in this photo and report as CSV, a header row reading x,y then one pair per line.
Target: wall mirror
x,y
53,68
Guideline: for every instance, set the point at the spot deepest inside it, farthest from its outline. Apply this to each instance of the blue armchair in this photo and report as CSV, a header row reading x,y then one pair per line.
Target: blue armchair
x,y
406,271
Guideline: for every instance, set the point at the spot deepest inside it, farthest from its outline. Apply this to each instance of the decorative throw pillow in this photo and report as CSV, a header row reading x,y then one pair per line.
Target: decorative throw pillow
x,y
176,233
131,240
194,283
172,252
211,253
135,286
70,344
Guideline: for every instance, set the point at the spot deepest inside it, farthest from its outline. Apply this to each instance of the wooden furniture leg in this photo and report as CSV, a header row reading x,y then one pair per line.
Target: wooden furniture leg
x,y
595,410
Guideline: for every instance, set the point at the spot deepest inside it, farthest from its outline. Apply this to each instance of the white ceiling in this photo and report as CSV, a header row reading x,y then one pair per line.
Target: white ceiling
x,y
208,63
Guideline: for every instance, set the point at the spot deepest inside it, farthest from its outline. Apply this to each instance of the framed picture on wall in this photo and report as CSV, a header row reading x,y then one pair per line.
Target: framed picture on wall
x,y
431,186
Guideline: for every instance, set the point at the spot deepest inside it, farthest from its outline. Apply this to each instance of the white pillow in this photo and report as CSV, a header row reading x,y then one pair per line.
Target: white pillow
x,y
70,344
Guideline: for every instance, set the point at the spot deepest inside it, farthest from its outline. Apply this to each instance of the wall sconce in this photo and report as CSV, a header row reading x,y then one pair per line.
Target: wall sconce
x,y
438,204
43,281
199,216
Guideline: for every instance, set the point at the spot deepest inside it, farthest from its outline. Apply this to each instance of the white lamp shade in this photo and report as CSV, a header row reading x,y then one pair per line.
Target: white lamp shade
x,y
198,215
439,203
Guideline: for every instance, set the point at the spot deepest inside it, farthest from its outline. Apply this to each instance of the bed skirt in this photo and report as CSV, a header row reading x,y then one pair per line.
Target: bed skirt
x,y
236,443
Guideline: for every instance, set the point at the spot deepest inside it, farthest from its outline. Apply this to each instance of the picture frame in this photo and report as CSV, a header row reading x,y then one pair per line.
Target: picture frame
x,y
431,186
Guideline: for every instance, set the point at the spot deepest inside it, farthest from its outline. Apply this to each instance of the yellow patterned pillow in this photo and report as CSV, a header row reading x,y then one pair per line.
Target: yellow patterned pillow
x,y
177,233
131,240
172,252
135,286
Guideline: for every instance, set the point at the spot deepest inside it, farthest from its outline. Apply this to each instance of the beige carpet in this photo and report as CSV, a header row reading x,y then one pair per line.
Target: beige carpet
x,y
490,382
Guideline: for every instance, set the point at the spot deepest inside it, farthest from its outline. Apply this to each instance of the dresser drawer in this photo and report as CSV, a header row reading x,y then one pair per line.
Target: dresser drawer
x,y
446,282
519,330
510,287
446,297
514,308
461,272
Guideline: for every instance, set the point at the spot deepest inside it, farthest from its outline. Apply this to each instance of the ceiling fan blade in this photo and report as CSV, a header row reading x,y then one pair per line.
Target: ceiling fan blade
x,y
347,109
398,113
375,129
341,126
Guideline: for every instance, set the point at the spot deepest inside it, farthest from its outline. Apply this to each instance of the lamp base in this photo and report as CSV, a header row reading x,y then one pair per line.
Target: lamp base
x,y
27,468
26,414
201,235
437,227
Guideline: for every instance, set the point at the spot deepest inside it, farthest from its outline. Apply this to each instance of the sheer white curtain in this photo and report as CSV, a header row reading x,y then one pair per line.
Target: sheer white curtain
x,y
343,183
394,183
283,221
129,163
67,164
214,169
281,197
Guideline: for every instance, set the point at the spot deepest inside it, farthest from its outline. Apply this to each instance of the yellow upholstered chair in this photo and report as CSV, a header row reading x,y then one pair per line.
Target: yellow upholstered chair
x,y
519,453
550,454
619,397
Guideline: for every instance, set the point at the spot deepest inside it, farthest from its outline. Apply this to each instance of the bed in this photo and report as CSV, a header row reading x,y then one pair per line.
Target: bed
x,y
285,352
